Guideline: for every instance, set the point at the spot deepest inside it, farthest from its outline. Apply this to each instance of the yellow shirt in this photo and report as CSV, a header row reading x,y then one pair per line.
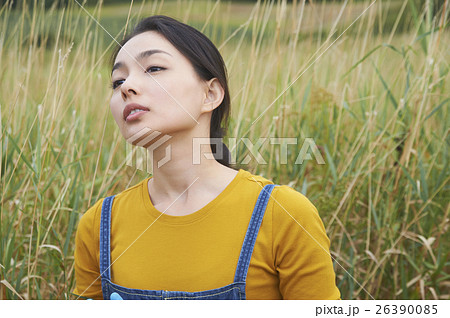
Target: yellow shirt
x,y
199,251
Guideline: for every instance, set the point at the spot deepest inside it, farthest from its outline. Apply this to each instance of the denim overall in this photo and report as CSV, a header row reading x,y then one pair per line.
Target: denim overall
x,y
235,290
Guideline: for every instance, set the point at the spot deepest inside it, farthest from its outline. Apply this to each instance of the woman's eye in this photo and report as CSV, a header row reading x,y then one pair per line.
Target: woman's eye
x,y
116,84
152,68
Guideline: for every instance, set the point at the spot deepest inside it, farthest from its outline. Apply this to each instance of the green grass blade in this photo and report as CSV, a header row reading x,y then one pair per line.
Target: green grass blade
x,y
331,165
386,87
437,108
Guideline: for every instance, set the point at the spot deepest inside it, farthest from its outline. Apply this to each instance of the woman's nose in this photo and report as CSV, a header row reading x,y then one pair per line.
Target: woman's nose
x,y
129,88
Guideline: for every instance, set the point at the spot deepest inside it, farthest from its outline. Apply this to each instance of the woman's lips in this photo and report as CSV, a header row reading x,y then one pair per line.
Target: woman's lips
x,y
132,107
136,116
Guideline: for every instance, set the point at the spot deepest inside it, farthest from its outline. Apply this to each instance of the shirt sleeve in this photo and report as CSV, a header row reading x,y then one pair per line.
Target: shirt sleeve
x,y
301,248
87,268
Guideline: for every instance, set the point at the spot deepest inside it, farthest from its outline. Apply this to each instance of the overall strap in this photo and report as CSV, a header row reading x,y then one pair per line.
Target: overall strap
x,y
105,235
252,233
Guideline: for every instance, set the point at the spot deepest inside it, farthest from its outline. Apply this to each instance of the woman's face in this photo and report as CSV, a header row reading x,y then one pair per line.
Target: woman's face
x,y
163,82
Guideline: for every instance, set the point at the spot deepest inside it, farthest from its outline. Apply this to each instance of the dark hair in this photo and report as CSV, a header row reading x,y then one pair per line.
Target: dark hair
x,y
207,63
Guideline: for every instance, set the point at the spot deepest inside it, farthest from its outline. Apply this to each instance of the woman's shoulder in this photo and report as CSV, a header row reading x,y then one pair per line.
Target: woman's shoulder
x,y
295,216
91,217
287,203
93,214
255,178
288,196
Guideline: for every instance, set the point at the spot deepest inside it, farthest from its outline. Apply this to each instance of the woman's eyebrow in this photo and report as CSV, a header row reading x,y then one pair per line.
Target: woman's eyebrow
x,y
139,57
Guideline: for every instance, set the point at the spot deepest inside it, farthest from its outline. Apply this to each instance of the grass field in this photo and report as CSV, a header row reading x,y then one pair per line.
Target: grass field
x,y
372,89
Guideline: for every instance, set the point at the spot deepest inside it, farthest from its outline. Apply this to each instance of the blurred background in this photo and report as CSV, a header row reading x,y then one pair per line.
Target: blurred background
x,y
368,81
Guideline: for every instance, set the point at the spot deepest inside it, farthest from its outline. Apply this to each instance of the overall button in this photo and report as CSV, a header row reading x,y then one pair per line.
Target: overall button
x,y
115,296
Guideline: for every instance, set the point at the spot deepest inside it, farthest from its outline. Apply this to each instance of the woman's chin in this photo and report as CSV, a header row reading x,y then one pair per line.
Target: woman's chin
x,y
143,136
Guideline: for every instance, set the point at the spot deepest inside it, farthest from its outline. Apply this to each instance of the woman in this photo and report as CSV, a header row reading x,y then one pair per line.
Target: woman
x,y
194,230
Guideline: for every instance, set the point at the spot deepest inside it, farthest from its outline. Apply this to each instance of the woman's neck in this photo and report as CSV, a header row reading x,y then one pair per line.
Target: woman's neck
x,y
186,168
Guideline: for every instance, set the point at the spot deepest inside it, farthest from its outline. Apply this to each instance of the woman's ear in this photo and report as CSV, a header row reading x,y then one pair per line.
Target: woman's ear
x,y
214,94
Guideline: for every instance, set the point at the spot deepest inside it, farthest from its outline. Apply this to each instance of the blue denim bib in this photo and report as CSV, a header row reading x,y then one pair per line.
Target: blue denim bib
x,y
235,290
